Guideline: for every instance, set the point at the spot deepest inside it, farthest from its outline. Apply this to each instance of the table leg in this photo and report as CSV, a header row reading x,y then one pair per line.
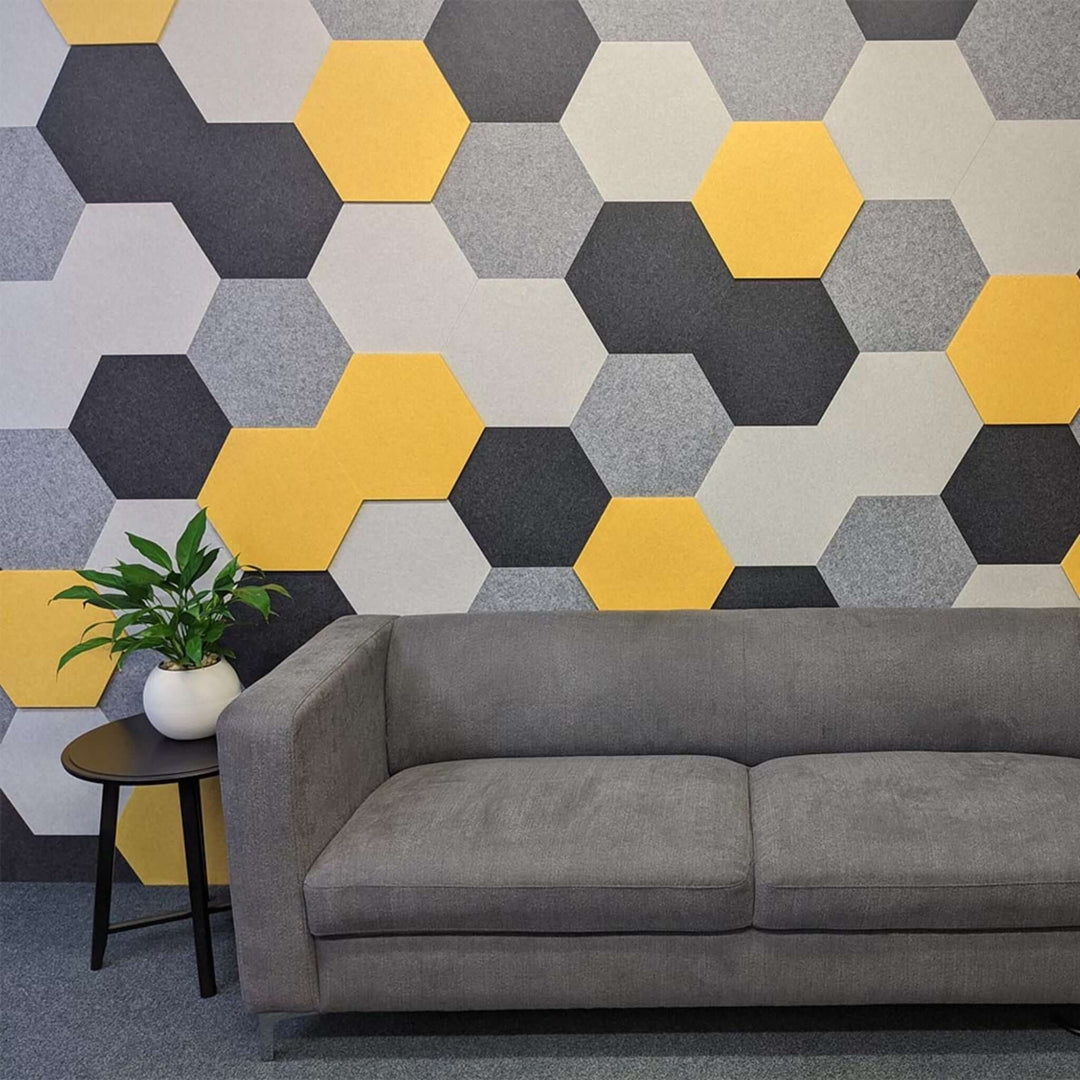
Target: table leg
x,y
110,799
195,855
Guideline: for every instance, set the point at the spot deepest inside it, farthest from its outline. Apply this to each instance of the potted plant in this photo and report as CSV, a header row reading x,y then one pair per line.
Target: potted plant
x,y
166,608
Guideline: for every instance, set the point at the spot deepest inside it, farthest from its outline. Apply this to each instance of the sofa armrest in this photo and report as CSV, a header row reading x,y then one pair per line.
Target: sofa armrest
x,y
299,751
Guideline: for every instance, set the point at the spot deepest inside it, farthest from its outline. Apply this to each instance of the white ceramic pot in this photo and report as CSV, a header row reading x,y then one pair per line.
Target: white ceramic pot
x,y
187,704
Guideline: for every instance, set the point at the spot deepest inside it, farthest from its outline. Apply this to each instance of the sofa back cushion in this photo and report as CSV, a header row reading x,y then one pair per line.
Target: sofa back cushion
x,y
745,685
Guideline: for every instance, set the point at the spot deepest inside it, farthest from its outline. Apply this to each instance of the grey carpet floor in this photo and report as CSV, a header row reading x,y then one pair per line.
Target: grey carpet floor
x,y
141,1016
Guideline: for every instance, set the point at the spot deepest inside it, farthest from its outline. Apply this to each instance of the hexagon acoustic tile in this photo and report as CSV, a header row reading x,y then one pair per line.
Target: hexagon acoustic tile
x,y
394,20
649,277
400,425
1017,351
512,63
910,19
777,200
280,498
55,503
1025,57
1075,425
109,22
774,587
647,20
150,426
909,119
269,352
518,200
529,496
408,558
39,207
7,711
31,52
123,695
905,275
897,551
1071,565
392,277
646,120
524,352
242,65
532,588
34,634
1018,586
382,121
651,425
1020,199
648,554
1016,493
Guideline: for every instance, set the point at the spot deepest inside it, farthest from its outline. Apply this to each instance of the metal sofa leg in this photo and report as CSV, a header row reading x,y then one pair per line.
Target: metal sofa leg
x,y
266,1032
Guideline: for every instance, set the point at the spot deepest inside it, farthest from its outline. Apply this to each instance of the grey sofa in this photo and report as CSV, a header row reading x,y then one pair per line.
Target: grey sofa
x,y
634,809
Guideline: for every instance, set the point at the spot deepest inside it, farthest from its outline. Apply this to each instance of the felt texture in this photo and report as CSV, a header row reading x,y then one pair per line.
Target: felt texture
x,y
894,20
109,21
371,20
774,587
532,588
31,52
1018,586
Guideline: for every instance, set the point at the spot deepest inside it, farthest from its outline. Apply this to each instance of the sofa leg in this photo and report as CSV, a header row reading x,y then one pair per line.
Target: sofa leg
x,y
266,1032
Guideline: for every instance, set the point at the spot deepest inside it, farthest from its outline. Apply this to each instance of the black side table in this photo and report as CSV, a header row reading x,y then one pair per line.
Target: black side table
x,y
130,751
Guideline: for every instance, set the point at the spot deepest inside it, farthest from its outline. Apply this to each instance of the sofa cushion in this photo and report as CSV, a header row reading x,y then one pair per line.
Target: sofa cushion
x,y
916,840
542,845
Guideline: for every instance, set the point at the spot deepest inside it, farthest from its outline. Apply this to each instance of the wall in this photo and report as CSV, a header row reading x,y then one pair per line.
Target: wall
x,y
506,305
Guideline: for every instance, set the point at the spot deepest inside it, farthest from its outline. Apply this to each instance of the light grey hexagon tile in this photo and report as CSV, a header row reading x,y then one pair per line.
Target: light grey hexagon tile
x,y
7,711
905,275
524,352
32,51
897,551
123,694
269,352
392,277
532,588
1020,199
55,503
408,558
39,207
1018,586
647,20
518,200
371,20
652,425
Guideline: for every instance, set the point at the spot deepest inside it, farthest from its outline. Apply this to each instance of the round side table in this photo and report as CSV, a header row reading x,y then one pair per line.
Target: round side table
x,y
130,751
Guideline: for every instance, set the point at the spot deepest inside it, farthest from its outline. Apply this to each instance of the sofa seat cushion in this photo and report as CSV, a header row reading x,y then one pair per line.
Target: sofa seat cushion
x,y
555,845
916,840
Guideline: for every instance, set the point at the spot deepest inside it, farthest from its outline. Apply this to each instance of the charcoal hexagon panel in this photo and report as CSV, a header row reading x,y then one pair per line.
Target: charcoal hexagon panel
x,y
1036,585
150,426
55,502
915,20
905,275
372,20
269,352
774,587
408,558
524,352
1025,57
512,62
651,425
529,496
532,588
897,551
31,52
1016,494
909,119
646,120
518,200
39,207
109,22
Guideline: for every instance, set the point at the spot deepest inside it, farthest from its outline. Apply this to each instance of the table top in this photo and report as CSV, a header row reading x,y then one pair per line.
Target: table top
x,y
130,751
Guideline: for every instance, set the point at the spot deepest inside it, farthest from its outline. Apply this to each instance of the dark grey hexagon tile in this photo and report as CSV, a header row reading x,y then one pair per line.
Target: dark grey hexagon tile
x,y
512,62
532,588
774,587
269,352
910,20
39,207
518,200
150,426
905,275
54,501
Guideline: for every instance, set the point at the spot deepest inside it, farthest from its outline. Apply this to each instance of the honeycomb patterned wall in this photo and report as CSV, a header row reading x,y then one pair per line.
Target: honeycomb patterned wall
x,y
494,305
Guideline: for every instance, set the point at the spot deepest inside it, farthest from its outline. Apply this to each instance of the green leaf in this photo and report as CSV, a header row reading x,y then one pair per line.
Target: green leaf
x,y
83,646
255,597
193,650
227,574
77,592
137,574
94,626
275,588
189,540
110,581
154,552
124,622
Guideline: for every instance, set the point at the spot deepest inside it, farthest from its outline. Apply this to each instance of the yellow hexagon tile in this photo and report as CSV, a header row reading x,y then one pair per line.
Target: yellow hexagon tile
x,y
1018,349
382,121
777,199
401,425
1071,565
109,22
34,634
279,498
150,835
653,554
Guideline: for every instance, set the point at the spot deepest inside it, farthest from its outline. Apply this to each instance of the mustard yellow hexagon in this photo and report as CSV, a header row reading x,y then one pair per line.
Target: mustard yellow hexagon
x,y
1018,349
34,634
653,554
1071,565
401,425
109,22
279,498
150,836
777,199
382,121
